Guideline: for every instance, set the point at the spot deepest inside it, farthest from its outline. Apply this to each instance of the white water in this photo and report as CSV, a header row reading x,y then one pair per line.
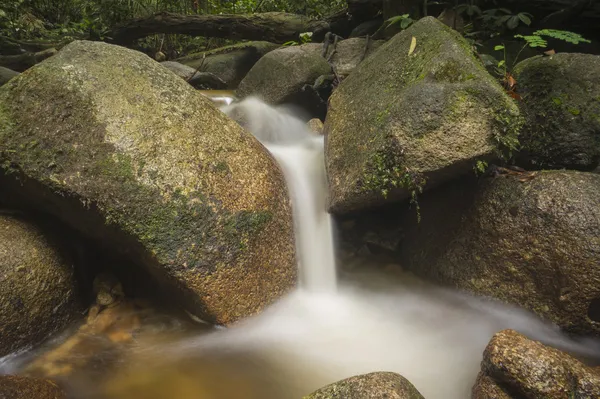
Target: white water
x,y
432,336
320,334
300,155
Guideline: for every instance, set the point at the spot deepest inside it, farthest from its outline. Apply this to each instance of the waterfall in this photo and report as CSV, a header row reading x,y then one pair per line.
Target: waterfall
x,y
300,155
324,331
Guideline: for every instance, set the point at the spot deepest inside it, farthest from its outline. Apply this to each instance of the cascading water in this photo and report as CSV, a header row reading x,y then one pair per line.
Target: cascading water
x,y
300,155
320,334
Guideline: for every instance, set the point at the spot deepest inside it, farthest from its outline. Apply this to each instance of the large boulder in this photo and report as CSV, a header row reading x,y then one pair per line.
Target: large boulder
x,y
406,116
280,76
37,286
347,54
380,385
561,100
230,63
532,240
518,368
15,387
199,80
6,75
118,147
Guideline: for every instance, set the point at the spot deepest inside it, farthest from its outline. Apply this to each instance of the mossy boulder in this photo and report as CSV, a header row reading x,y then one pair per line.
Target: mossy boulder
x,y
6,75
561,101
380,385
531,240
347,54
403,118
516,367
123,150
230,63
15,387
37,286
280,76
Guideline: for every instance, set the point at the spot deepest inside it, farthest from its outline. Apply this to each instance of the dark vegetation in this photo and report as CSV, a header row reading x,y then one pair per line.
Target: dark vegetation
x,y
177,27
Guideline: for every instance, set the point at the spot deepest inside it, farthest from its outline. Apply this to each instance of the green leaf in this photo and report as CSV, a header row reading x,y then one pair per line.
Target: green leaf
x,y
513,22
524,17
499,48
564,35
501,63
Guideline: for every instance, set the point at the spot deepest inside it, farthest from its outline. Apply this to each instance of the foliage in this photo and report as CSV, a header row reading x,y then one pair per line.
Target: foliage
x,y
305,37
403,20
537,40
480,167
503,17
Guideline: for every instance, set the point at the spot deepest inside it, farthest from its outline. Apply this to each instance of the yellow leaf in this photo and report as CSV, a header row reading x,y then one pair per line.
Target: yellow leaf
x,y
413,45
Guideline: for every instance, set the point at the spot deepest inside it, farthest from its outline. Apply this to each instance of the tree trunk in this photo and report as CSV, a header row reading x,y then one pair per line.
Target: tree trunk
x,y
274,27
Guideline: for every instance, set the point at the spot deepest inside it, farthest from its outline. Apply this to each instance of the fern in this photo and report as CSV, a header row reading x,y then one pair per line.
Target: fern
x,y
533,41
567,36
536,40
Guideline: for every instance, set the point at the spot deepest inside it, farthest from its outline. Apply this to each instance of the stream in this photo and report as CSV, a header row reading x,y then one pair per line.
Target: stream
x,y
328,329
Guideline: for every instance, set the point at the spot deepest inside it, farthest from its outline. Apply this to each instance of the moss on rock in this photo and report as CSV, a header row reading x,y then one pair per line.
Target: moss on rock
x,y
560,100
380,385
528,369
279,76
433,112
123,150
37,286
532,241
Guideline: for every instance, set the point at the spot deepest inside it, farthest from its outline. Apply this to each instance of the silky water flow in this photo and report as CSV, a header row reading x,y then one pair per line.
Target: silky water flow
x,y
326,330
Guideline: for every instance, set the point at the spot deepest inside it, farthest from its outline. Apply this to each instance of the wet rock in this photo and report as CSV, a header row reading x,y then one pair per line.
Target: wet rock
x,y
37,286
142,162
516,367
6,75
14,387
230,63
280,76
530,239
561,100
486,388
400,120
316,126
199,80
380,385
351,52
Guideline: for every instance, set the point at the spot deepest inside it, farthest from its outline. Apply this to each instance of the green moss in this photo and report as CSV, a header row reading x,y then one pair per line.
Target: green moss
x,y
557,101
507,132
181,229
386,173
574,111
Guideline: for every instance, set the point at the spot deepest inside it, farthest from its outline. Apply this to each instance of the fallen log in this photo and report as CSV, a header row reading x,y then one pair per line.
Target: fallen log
x,y
276,27
21,62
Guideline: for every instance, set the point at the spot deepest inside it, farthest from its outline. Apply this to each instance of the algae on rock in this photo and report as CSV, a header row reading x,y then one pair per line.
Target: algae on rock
x,y
38,291
516,367
380,385
126,152
402,119
561,102
532,241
